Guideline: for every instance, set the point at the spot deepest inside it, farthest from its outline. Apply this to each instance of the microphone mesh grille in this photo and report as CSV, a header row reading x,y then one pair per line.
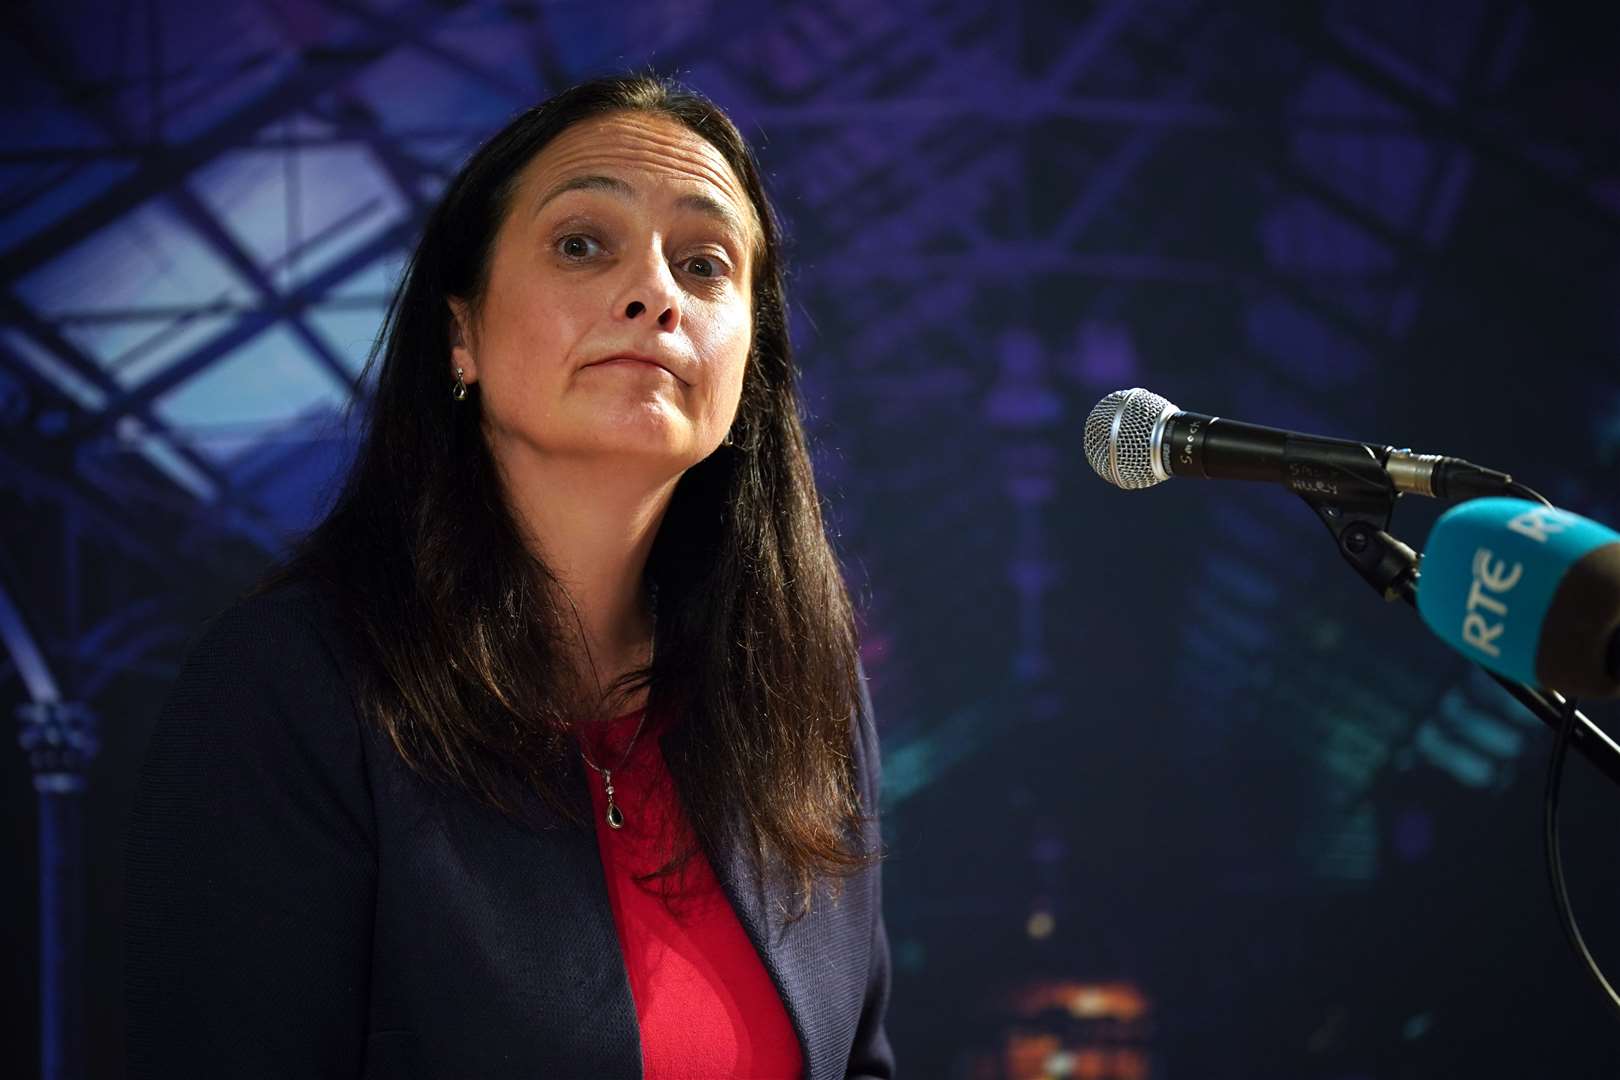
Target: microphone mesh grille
x,y
1129,465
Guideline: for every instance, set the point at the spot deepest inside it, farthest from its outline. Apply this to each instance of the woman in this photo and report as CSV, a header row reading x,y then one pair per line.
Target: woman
x,y
547,754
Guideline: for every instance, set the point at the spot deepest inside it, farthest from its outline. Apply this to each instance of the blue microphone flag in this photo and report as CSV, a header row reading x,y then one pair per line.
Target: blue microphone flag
x,y
1529,591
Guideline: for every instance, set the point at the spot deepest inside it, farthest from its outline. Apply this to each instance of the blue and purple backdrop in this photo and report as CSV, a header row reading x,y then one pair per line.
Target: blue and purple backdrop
x,y
1169,792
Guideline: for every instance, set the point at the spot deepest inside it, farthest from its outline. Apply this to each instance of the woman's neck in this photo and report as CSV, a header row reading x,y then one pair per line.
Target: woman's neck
x,y
593,522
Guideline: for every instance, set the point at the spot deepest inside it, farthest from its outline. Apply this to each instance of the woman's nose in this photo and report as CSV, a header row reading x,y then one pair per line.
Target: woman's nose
x,y
652,288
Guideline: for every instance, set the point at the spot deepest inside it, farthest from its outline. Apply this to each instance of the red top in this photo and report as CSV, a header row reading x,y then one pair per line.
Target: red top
x,y
706,1005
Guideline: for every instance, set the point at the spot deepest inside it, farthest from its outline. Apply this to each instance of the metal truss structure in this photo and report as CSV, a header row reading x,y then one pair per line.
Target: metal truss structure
x,y
998,213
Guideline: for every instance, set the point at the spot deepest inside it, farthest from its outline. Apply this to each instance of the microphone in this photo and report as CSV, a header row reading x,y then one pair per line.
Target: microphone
x,y
1530,592
1135,439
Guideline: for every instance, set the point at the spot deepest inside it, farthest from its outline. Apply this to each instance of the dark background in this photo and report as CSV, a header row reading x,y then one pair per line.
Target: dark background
x,y
1169,792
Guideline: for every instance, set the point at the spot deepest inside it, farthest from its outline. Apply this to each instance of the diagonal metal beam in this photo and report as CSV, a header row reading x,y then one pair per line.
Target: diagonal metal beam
x,y
1265,144
318,71
1090,43
1307,25
420,38
23,317
202,219
1109,180
226,244
247,327
26,655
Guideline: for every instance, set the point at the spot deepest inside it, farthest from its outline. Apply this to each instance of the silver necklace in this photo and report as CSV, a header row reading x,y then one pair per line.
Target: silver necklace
x,y
615,816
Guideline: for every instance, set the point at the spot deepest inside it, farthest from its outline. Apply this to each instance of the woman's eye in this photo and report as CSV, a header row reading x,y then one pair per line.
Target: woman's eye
x,y
578,246
704,266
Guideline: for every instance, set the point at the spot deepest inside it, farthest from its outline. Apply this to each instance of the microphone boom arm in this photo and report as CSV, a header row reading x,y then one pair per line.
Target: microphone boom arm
x,y
1358,515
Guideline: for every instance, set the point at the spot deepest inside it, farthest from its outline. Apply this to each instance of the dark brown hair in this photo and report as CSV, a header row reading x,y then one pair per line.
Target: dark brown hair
x,y
461,641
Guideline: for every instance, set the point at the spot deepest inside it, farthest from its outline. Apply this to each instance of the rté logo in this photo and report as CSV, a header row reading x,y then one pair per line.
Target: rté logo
x,y
1494,578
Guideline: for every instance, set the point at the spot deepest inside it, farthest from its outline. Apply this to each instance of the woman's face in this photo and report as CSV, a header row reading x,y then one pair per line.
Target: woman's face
x,y
618,312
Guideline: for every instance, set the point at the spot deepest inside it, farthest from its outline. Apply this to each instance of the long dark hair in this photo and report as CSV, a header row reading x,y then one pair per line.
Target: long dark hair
x,y
460,637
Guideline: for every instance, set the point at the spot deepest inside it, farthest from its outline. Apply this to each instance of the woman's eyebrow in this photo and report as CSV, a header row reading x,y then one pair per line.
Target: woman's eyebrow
x,y
611,184
719,211
703,204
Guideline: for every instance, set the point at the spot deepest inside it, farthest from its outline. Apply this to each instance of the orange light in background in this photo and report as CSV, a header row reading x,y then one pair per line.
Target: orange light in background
x,y
1090,1065
1041,1057
1064,1029
1086,1001
1028,1055
1130,1065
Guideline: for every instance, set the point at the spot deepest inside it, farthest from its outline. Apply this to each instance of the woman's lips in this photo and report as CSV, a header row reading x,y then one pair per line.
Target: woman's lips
x,y
620,360
635,361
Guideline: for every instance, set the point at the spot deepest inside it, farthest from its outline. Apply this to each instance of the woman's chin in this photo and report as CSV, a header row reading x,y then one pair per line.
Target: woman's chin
x,y
650,439
649,433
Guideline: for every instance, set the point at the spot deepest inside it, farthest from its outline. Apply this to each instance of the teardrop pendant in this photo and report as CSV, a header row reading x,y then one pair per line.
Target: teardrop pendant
x,y
615,819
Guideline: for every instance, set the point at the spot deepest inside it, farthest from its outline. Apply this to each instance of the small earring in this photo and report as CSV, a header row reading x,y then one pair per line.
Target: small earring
x,y
727,441
459,391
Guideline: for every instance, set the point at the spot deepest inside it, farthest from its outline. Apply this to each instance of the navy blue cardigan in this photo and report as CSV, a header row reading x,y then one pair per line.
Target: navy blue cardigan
x,y
300,904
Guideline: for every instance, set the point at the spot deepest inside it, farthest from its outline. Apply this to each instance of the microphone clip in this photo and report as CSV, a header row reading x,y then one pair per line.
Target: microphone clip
x,y
1356,501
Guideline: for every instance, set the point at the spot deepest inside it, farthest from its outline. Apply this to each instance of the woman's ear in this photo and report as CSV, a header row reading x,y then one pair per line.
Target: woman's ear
x,y
461,349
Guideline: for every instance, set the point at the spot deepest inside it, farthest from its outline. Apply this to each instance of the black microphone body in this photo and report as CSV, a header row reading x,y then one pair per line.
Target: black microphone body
x,y
1135,439
1215,448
